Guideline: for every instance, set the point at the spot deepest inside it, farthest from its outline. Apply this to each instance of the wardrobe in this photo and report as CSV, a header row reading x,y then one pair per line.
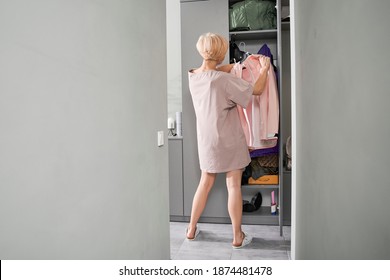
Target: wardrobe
x,y
198,17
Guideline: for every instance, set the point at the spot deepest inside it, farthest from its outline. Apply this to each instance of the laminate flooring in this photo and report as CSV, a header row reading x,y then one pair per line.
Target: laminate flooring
x,y
214,243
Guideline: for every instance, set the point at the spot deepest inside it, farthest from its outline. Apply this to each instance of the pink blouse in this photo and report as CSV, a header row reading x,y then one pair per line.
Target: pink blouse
x,y
260,119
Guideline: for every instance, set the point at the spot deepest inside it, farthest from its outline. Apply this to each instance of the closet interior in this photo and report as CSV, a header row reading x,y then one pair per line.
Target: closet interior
x,y
253,27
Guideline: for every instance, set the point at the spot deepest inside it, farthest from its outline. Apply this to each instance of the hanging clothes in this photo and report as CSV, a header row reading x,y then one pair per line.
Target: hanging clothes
x,y
266,51
260,119
236,54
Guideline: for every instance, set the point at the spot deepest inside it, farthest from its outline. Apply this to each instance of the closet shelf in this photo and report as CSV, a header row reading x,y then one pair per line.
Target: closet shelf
x,y
253,34
262,211
261,186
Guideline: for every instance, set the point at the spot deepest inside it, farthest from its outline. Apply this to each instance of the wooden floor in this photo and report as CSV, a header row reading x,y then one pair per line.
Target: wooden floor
x,y
214,243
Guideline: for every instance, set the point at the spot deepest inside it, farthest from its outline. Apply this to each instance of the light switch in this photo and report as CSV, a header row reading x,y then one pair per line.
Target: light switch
x,y
160,138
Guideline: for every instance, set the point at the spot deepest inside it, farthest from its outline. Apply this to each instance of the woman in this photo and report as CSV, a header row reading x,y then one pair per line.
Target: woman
x,y
222,146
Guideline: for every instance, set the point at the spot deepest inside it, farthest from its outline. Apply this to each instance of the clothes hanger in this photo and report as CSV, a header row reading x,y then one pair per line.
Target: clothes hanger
x,y
245,54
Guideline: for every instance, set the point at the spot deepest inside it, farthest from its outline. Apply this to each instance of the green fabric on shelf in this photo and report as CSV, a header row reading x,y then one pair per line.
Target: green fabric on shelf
x,y
252,15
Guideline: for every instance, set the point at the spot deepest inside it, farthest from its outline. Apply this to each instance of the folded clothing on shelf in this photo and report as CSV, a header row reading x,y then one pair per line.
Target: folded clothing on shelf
x,y
264,180
261,166
252,15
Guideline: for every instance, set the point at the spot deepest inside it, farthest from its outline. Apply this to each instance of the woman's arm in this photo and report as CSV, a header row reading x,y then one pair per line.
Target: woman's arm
x,y
259,85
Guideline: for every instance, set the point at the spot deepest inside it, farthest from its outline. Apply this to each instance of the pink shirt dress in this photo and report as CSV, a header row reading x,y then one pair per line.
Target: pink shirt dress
x,y
222,144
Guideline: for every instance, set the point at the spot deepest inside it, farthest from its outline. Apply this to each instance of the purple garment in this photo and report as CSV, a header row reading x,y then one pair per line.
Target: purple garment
x,y
264,152
265,50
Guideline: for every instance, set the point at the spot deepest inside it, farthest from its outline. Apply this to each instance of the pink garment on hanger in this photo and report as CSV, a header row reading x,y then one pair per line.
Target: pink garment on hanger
x,y
260,119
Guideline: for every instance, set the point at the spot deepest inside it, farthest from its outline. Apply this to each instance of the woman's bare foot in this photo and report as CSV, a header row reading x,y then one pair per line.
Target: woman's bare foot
x,y
238,241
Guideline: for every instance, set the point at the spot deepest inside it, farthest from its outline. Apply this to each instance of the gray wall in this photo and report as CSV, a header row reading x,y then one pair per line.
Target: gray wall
x,y
82,96
342,133
174,58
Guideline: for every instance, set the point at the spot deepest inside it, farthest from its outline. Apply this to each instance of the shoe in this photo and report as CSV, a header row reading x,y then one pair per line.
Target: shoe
x,y
248,207
195,235
257,200
247,240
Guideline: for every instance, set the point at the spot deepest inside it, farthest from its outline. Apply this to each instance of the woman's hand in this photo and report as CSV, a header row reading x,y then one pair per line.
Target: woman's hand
x,y
262,80
265,62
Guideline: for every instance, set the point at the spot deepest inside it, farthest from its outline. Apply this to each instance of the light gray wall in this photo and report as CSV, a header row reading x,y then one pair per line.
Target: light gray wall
x,y
342,151
174,57
82,96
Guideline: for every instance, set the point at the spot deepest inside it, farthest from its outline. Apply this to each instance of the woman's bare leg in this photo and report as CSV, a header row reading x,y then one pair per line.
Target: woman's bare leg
x,y
199,202
233,183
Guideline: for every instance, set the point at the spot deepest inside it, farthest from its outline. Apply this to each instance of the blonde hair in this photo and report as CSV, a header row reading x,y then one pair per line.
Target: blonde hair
x,y
212,47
